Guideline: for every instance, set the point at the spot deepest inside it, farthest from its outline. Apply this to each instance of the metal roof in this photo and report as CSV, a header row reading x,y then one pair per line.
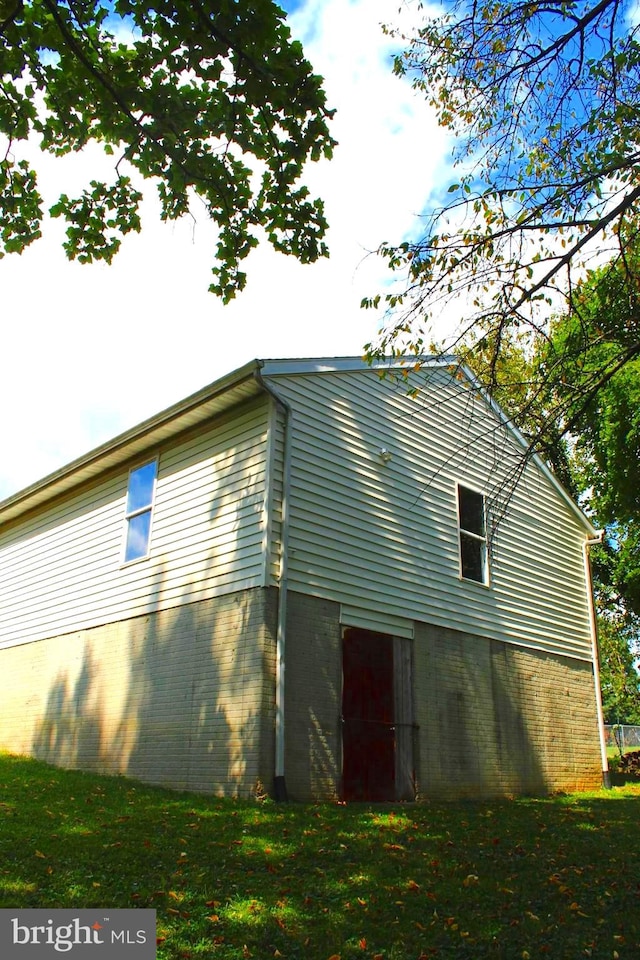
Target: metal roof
x,y
351,364
236,387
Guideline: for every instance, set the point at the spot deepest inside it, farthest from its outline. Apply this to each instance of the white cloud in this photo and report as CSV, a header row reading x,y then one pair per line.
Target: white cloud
x,y
91,350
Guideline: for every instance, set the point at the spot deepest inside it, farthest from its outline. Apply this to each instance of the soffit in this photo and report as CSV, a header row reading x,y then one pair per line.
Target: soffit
x,y
211,401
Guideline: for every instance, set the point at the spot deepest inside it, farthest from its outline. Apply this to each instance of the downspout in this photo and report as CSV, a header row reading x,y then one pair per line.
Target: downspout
x,y
593,623
279,784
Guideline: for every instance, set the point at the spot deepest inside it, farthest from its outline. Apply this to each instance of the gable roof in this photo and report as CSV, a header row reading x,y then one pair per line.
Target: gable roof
x,y
234,388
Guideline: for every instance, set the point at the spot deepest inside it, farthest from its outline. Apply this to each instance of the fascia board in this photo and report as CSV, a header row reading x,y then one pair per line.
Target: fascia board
x,y
284,367
521,440
199,406
431,361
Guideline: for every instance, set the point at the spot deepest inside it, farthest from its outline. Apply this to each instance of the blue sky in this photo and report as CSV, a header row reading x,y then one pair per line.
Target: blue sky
x,y
91,350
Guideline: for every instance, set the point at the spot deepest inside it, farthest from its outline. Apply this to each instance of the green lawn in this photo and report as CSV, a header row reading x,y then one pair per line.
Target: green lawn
x,y
613,751
557,878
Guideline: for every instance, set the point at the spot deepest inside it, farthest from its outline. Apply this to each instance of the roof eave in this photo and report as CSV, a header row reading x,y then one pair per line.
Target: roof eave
x,y
523,442
198,407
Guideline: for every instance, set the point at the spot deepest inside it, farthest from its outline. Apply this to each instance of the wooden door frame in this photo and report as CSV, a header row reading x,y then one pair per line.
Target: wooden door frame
x,y
403,725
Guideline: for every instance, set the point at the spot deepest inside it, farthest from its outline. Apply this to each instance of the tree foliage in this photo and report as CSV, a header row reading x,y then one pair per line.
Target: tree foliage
x,y
543,100
577,397
619,677
590,361
529,266
208,98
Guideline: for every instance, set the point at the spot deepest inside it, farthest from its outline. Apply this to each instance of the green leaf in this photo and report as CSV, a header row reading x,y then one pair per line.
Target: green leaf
x,y
196,88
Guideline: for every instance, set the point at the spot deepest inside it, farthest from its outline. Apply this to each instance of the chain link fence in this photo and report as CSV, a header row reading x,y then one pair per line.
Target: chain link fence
x,y
622,736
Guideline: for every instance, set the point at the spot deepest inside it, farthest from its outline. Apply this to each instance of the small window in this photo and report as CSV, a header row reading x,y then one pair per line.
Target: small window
x,y
142,483
473,535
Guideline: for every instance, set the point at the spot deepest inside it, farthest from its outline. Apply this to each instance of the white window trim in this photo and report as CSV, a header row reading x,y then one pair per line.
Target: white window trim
x,y
136,513
486,582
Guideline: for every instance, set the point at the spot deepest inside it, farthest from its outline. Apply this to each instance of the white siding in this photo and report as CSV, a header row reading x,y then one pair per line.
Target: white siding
x,y
60,569
384,536
273,534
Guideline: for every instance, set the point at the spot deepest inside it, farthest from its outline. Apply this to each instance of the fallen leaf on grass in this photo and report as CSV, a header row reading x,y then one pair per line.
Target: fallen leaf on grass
x,y
576,909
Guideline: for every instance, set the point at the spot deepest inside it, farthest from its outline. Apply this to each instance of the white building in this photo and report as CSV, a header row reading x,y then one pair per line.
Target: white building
x,y
352,583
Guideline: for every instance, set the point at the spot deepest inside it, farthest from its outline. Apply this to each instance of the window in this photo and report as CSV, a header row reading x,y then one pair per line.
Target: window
x,y
473,535
142,483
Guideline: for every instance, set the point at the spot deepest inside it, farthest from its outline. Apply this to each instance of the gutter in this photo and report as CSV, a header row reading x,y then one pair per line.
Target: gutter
x,y
279,783
593,623
123,446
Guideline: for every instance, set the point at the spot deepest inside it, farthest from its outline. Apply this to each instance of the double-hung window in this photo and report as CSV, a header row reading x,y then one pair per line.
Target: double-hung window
x,y
140,494
472,529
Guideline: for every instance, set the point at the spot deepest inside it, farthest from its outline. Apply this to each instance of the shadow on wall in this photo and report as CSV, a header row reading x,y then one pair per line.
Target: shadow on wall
x,y
177,698
69,733
312,699
546,720
501,720
474,737
180,696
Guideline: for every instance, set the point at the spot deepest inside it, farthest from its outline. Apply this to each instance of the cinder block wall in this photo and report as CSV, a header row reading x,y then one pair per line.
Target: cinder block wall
x,y
313,692
184,697
496,719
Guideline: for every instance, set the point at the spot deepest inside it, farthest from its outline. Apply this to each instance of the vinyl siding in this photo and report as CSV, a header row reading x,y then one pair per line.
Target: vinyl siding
x,y
275,485
384,536
61,570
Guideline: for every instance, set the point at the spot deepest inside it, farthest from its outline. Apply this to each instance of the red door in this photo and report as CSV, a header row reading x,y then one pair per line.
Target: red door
x,y
368,732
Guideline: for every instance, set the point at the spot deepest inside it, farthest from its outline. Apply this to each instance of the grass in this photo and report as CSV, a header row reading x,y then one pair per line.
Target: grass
x,y
613,752
519,879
